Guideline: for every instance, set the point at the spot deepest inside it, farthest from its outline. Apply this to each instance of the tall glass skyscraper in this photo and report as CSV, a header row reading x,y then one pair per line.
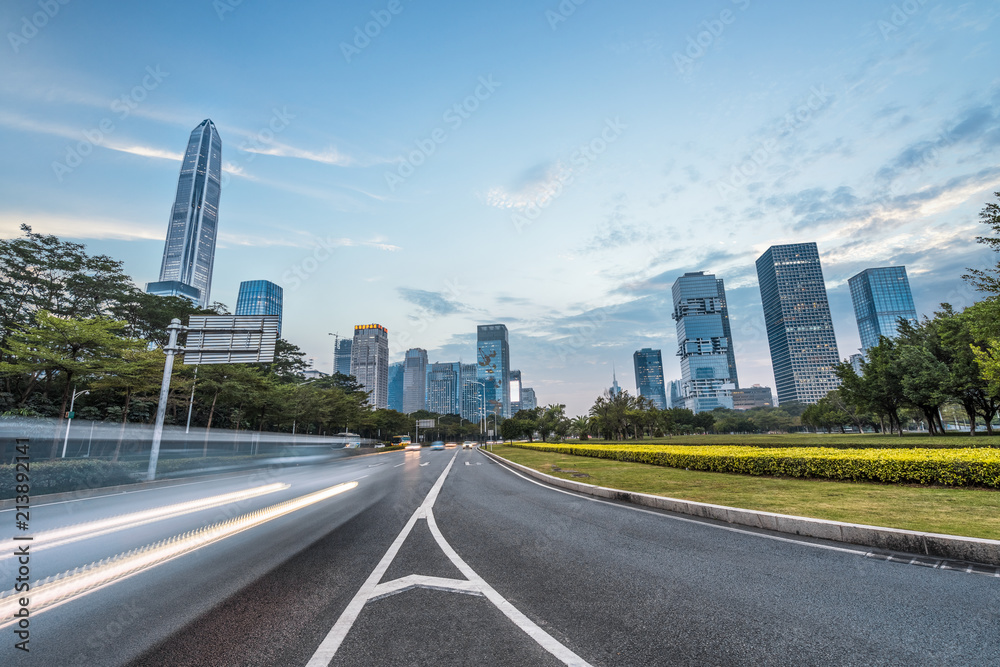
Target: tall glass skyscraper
x,y
881,297
189,252
472,393
443,389
259,297
415,380
708,365
515,392
649,376
395,401
370,362
494,368
342,357
799,325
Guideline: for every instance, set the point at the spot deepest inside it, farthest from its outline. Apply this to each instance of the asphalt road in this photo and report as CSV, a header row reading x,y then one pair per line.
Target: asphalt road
x,y
446,558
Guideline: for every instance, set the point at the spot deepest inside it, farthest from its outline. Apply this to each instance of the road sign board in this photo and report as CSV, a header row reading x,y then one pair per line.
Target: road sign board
x,y
425,423
231,339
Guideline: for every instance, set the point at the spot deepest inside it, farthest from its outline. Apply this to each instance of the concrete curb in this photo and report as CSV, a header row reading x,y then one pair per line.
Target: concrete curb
x,y
951,547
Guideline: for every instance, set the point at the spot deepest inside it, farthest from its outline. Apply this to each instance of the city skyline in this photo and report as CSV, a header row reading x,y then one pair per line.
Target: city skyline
x,y
584,171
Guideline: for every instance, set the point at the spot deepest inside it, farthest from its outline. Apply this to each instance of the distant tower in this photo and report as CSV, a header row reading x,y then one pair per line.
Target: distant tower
x,y
614,390
189,252
259,297
799,324
342,356
881,297
370,362
515,392
494,367
705,346
395,401
649,376
415,380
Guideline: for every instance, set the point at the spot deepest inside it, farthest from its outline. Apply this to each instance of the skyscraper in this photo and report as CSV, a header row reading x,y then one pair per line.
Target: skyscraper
x,y
189,252
442,388
515,392
260,297
614,389
415,380
370,362
676,394
395,401
881,297
708,365
799,325
342,356
528,400
649,376
494,367
472,393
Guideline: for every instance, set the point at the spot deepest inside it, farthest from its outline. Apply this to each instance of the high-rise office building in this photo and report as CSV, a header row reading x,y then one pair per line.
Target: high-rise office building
x,y
395,401
472,392
515,392
856,360
494,368
342,356
189,252
370,362
259,297
442,388
615,389
799,325
881,297
649,376
676,394
415,380
528,400
705,346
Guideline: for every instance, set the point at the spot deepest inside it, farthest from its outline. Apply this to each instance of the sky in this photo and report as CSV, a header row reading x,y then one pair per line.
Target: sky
x,y
552,166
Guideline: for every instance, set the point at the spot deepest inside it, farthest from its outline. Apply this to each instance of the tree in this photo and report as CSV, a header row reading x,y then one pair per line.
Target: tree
x,y
988,281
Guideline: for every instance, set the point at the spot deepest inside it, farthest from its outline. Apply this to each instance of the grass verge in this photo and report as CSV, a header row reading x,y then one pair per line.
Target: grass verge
x,y
951,511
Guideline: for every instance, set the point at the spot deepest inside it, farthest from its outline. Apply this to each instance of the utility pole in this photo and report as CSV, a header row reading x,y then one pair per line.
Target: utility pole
x,y
161,409
191,402
71,414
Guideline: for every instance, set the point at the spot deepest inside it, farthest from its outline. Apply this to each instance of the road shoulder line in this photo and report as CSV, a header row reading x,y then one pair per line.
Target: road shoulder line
x,y
953,547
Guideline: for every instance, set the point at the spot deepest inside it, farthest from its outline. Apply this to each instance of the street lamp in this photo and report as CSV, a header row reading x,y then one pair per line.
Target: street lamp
x,y
482,409
70,422
336,337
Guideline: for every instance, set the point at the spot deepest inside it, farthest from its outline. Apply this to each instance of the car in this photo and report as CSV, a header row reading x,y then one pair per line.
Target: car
x,y
450,445
379,445
437,444
412,445
468,444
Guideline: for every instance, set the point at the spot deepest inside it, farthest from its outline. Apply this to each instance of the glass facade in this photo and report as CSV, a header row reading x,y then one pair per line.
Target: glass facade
x,y
881,297
528,400
472,393
708,365
189,252
649,376
395,401
515,392
676,394
494,368
342,359
260,297
799,325
415,380
443,393
370,362
752,397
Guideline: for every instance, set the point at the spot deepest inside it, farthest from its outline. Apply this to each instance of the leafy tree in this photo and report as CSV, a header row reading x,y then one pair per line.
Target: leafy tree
x,y
988,281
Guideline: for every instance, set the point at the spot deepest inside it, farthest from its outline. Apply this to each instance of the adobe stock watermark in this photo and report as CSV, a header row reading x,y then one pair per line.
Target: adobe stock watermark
x,y
363,35
819,98
256,142
698,45
122,107
320,252
583,334
30,25
899,16
398,344
562,12
581,159
223,7
454,116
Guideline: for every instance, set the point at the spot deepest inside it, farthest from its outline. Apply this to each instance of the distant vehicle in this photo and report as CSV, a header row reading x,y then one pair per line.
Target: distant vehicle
x,y
379,445
468,444
449,445
437,444
352,440
403,440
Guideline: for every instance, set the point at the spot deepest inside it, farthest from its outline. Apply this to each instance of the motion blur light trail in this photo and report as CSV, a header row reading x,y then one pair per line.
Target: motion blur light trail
x,y
56,590
61,536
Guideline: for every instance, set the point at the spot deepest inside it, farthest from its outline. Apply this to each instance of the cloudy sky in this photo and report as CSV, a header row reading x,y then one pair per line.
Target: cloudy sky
x,y
432,166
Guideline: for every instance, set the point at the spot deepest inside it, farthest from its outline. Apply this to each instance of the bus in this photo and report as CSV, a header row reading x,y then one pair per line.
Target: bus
x,y
401,440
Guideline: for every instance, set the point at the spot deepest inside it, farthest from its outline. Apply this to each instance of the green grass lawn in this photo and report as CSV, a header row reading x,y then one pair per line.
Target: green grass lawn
x,y
849,440
952,511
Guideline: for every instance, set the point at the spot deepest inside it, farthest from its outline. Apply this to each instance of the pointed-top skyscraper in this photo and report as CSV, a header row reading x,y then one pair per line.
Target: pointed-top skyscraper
x,y
189,252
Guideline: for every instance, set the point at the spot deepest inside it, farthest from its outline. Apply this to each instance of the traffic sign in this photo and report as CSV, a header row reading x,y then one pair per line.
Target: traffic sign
x,y
231,339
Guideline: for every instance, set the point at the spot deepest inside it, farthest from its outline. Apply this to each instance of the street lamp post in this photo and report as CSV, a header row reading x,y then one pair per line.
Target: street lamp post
x,y
482,410
336,337
69,423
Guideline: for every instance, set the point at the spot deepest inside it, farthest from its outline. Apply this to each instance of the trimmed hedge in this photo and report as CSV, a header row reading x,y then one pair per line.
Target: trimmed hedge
x,y
947,467
59,476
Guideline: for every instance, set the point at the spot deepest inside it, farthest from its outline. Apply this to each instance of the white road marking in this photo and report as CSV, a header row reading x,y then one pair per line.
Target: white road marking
x,y
475,585
856,552
425,464
401,464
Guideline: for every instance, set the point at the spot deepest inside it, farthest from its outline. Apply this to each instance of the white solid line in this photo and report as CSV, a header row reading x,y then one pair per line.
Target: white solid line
x,y
679,518
401,464
328,648
544,639
420,581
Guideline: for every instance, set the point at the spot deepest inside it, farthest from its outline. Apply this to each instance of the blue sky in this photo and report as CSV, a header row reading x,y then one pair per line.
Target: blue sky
x,y
552,166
